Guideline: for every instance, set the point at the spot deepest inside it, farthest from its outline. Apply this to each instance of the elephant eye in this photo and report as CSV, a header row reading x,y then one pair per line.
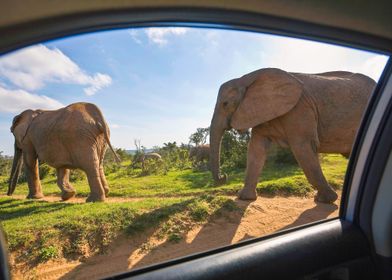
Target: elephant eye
x,y
225,103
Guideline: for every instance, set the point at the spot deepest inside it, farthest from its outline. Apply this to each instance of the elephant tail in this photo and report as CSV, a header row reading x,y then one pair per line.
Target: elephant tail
x,y
105,129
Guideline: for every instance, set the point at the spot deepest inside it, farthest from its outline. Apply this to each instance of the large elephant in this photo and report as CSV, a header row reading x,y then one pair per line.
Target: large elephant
x,y
72,137
310,113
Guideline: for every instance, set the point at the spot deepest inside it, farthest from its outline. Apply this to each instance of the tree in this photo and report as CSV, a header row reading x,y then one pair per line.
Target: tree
x,y
234,149
200,136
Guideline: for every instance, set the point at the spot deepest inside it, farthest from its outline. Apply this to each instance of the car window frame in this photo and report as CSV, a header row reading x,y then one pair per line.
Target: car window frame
x,y
218,19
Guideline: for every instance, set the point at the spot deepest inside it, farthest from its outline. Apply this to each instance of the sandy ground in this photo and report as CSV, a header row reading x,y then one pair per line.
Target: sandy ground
x,y
254,219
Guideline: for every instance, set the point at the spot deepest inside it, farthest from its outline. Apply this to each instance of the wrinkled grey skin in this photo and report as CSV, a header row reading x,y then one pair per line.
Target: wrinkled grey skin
x,y
72,137
310,113
200,153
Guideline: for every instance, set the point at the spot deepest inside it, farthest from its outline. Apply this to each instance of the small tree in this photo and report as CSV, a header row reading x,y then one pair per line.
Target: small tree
x,y
234,149
200,136
174,156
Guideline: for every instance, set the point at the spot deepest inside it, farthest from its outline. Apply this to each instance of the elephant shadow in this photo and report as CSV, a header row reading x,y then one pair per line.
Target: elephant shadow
x,y
29,208
119,251
225,221
203,178
319,212
198,179
125,251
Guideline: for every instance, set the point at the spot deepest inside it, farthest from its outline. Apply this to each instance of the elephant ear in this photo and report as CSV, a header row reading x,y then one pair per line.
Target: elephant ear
x,y
15,122
273,93
21,123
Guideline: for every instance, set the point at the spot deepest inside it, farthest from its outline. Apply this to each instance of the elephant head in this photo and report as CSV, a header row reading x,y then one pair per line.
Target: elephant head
x,y
20,127
246,102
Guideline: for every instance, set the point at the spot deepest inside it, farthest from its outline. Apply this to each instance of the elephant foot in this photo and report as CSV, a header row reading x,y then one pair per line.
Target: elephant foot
x,y
247,194
35,196
67,195
106,191
92,198
326,196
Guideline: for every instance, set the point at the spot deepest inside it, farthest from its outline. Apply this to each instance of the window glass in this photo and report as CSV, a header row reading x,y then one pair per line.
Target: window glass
x,y
215,136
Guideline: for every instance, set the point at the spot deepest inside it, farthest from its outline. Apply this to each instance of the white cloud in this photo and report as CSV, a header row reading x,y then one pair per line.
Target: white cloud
x,y
33,67
16,101
97,82
135,36
297,55
159,35
374,66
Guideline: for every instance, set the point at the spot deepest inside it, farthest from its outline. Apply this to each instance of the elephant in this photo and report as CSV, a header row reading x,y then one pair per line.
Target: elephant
x,y
72,137
200,153
141,158
308,113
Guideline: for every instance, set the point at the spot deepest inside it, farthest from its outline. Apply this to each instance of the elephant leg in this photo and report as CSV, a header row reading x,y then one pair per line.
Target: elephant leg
x,y
257,154
103,180
32,172
97,192
92,168
308,159
67,190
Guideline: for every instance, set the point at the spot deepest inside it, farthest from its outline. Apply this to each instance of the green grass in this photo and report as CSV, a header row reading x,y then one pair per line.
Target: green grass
x,y
274,180
38,231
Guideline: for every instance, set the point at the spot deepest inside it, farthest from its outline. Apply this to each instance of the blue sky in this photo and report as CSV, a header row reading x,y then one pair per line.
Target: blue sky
x,y
155,84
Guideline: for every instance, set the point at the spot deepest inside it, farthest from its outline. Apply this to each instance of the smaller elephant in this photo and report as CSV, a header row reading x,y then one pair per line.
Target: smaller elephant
x,y
141,158
73,137
199,153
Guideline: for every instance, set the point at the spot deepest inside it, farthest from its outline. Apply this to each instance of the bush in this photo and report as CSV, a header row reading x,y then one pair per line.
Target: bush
x,y
5,165
155,167
45,170
175,157
48,253
281,156
199,211
234,150
112,168
76,175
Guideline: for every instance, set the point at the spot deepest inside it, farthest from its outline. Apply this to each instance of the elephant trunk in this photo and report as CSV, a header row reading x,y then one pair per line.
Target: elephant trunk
x,y
15,171
216,133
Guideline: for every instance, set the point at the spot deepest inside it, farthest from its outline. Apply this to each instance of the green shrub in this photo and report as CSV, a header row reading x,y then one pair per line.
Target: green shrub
x,y
175,157
45,170
234,150
112,168
152,166
5,165
281,156
199,211
122,154
174,237
47,253
76,175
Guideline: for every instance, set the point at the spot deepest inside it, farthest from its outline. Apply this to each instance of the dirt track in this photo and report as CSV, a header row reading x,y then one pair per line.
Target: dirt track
x,y
261,217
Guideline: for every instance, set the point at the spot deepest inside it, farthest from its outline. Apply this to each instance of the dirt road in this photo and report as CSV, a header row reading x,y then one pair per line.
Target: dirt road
x,y
254,219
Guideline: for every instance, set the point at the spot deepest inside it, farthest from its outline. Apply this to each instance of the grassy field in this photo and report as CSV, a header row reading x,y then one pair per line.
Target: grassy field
x,y
38,230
